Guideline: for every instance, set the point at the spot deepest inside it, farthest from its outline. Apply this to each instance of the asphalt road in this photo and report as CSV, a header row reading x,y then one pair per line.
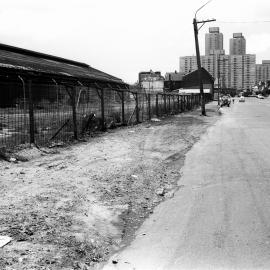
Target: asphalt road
x,y
220,216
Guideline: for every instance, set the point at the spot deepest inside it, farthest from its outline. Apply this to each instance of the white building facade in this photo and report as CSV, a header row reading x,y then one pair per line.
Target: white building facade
x,y
153,85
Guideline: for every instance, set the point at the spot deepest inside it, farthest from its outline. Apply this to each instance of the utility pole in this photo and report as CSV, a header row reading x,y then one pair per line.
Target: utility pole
x,y
196,31
218,62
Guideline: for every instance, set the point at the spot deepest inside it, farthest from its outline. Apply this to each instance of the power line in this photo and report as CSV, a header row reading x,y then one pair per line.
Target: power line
x,y
243,21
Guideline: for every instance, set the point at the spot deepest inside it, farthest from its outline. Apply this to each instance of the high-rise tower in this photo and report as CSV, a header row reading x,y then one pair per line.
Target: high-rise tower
x,y
213,41
236,70
237,44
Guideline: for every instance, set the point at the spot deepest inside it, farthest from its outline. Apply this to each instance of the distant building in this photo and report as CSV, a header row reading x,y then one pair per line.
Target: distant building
x,y
146,74
263,71
174,76
236,70
151,81
188,64
189,83
173,80
237,44
242,71
223,71
214,64
213,40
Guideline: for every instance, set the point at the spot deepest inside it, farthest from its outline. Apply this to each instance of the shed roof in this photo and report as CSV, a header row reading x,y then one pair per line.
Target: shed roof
x,y
25,61
192,78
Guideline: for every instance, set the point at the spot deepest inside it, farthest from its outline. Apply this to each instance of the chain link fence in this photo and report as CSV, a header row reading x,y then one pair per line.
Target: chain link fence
x,y
45,114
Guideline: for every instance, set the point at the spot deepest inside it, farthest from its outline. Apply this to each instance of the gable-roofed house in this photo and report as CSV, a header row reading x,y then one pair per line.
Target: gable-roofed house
x,y
189,83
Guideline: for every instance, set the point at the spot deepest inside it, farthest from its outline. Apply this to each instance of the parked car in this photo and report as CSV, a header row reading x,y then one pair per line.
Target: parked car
x,y
242,99
225,101
260,96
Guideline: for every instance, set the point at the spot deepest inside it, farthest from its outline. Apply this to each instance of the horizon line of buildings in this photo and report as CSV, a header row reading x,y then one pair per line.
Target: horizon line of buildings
x,y
237,70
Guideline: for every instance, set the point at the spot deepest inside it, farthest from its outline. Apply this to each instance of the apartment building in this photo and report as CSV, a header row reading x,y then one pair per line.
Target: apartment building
x,y
249,70
188,64
215,63
237,70
237,44
213,40
263,71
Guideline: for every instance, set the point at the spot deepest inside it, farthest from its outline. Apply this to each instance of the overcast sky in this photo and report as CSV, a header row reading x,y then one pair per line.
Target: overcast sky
x,y
124,37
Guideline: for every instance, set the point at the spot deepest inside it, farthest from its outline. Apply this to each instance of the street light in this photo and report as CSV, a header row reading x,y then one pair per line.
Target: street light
x,y
196,31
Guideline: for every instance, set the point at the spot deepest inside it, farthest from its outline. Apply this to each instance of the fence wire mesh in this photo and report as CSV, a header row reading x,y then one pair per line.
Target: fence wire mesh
x,y
61,114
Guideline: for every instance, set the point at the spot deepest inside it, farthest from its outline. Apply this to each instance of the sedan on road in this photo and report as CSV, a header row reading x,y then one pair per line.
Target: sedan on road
x,y
242,99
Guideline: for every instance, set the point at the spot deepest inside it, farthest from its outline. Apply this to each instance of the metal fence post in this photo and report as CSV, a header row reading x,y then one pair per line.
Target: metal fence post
x,y
183,103
123,107
31,113
137,108
157,105
149,106
74,113
165,107
102,109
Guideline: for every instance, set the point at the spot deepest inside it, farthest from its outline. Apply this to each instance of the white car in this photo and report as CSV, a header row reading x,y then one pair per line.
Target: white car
x,y
242,99
260,96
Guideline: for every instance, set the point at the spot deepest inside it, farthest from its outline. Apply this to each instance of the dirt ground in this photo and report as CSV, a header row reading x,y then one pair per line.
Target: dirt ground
x,y
73,208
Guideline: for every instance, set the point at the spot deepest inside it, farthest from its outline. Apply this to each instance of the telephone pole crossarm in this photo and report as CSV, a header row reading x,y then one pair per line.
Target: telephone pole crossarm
x,y
205,21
